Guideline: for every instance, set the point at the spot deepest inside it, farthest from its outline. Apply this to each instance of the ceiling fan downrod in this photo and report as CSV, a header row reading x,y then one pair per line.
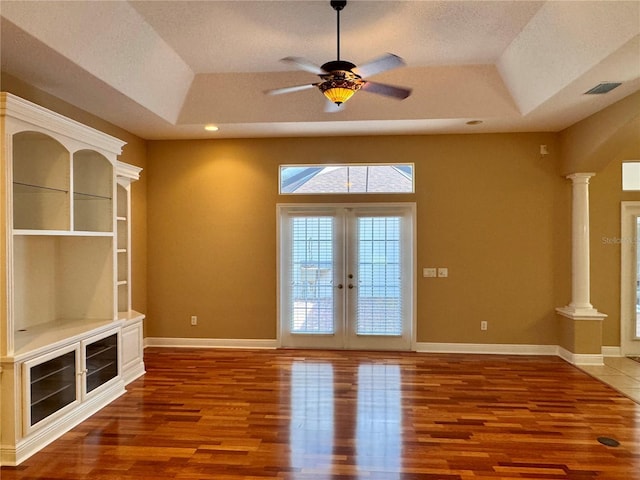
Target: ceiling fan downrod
x,y
338,5
337,68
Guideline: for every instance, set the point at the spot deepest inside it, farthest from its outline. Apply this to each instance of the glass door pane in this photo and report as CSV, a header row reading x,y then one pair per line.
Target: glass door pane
x,y
380,277
101,359
312,272
51,386
310,258
378,302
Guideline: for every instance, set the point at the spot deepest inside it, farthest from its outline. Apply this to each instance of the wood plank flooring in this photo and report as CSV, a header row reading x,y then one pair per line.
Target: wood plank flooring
x,y
312,415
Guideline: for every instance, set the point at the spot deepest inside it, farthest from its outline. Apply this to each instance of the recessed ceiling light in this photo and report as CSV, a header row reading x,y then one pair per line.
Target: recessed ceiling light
x,y
211,128
474,122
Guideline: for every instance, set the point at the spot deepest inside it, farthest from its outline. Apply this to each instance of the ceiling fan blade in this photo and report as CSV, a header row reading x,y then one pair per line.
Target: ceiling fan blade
x,y
304,64
296,88
388,90
379,65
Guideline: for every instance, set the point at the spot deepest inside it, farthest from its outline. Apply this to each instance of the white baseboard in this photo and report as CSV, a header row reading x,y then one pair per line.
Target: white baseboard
x,y
487,348
423,347
511,349
209,342
611,351
580,358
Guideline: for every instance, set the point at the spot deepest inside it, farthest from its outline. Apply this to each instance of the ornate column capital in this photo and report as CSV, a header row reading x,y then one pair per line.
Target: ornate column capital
x,y
580,177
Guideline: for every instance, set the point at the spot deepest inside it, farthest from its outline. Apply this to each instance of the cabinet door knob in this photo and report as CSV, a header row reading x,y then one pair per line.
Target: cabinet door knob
x,y
340,286
350,286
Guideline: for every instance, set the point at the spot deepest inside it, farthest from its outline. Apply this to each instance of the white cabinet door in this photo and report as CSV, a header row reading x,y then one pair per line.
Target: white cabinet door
x,y
132,351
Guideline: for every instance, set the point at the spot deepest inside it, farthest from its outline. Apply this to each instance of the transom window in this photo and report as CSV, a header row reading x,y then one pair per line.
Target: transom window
x,y
631,176
352,178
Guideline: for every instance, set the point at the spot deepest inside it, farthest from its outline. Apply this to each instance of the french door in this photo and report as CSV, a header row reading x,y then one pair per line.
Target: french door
x,y
630,278
346,276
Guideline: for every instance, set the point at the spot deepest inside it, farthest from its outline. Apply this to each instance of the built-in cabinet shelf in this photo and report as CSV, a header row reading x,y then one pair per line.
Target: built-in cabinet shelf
x,y
69,341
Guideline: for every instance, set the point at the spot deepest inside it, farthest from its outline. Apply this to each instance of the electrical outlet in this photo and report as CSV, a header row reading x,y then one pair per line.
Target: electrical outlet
x,y
483,325
194,320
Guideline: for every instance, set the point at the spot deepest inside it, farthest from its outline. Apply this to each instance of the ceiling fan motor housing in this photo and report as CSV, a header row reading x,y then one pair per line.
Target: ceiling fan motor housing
x,y
338,65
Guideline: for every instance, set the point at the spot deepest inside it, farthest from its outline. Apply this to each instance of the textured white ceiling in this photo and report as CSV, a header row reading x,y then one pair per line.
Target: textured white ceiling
x,y
163,69
216,37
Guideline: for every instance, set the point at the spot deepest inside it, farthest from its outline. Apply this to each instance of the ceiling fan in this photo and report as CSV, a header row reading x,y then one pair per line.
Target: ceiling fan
x,y
341,79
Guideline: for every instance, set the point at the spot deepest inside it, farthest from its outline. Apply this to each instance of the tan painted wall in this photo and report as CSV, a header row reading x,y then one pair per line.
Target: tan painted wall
x,y
591,144
490,208
600,143
605,197
135,153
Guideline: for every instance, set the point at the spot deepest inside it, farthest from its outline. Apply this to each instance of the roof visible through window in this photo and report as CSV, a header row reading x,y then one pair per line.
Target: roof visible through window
x,y
318,179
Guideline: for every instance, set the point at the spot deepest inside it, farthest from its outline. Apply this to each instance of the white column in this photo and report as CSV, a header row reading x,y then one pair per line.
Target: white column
x,y
580,305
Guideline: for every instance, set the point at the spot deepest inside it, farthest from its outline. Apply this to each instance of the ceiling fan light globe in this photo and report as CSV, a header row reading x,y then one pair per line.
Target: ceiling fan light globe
x,y
340,86
339,95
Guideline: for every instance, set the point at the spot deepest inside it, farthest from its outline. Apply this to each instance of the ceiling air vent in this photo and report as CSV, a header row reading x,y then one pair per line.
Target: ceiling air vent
x,y
604,87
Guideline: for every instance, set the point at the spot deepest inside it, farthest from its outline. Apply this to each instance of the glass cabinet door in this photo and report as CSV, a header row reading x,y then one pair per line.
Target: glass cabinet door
x,y
101,361
51,385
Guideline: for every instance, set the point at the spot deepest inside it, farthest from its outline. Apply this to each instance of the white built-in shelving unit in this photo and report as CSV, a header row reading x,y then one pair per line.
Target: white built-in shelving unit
x,y
132,328
69,342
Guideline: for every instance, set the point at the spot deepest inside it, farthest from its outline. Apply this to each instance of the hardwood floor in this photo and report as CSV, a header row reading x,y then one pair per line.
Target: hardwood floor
x,y
298,415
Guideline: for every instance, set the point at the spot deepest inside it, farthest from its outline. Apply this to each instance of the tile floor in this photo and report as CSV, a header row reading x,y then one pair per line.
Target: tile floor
x,y
622,374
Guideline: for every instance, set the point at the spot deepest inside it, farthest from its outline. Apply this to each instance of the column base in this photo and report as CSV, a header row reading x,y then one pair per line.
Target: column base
x,y
581,331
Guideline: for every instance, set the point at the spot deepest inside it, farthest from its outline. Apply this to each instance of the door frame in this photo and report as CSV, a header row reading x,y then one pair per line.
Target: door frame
x,y
310,207
629,211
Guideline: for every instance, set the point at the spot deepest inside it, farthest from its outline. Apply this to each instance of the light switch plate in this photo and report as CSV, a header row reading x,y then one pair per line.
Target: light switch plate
x,y
443,272
429,272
